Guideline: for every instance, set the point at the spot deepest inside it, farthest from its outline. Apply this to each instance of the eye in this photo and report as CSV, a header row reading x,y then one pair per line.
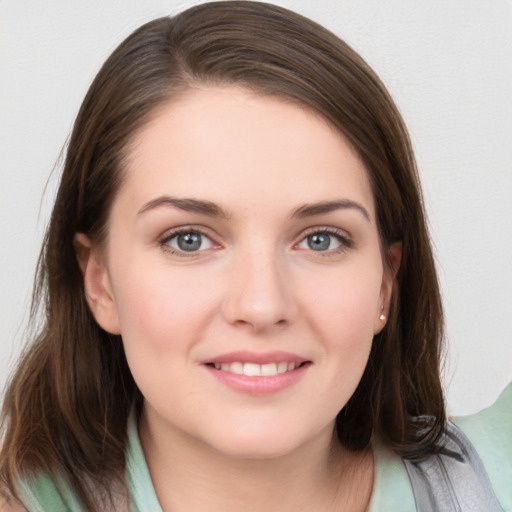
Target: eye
x,y
188,241
323,240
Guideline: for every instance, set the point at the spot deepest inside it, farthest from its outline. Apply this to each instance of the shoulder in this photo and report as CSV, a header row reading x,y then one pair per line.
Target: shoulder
x,y
485,437
44,492
490,432
41,492
492,425
473,468
391,487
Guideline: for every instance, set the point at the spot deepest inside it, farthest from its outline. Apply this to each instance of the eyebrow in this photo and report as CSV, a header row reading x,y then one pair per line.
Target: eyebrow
x,y
186,204
323,207
213,210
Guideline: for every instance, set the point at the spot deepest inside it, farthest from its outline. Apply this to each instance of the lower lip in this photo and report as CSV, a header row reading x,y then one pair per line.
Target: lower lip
x,y
259,385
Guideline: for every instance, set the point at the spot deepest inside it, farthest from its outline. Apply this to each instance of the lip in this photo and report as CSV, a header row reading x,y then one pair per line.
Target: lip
x,y
256,357
257,385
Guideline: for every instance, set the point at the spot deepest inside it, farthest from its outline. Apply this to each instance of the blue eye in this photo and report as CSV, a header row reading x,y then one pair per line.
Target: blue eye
x,y
323,241
319,242
189,241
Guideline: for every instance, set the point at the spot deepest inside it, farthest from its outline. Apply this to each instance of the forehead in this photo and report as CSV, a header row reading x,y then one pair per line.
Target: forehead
x,y
231,144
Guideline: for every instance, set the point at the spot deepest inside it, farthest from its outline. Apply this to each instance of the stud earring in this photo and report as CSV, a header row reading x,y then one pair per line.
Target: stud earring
x,y
382,316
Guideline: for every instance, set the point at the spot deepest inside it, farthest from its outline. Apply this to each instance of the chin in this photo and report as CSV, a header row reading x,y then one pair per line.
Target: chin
x,y
264,441
257,449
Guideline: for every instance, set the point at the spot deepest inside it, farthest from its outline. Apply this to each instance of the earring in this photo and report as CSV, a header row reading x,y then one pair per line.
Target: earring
x,y
382,316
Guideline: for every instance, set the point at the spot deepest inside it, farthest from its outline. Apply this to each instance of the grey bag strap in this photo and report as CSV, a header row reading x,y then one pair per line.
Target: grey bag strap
x,y
454,480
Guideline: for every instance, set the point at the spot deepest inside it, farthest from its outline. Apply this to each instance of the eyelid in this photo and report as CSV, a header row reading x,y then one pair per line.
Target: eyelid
x,y
167,235
342,235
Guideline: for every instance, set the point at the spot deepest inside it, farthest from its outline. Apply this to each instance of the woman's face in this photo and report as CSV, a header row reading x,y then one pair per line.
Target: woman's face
x,y
243,271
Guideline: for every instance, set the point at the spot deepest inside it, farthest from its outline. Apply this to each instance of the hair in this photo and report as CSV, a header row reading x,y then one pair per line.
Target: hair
x,y
66,408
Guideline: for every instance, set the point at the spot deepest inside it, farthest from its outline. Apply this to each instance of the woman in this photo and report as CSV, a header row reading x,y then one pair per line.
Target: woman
x,y
242,306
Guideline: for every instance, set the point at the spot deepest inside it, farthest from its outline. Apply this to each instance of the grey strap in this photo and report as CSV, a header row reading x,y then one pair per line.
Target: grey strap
x,y
454,480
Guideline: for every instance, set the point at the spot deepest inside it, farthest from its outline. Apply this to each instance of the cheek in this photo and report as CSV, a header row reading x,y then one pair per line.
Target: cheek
x,y
162,315
157,306
343,317
343,305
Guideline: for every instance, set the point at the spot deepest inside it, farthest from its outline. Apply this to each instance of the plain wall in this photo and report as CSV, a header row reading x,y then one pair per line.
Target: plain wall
x,y
448,65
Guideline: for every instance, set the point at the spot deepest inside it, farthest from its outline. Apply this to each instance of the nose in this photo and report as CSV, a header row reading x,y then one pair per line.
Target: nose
x,y
260,294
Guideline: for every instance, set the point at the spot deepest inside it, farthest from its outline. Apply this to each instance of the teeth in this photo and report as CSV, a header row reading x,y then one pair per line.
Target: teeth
x,y
237,368
282,367
269,369
252,370
256,370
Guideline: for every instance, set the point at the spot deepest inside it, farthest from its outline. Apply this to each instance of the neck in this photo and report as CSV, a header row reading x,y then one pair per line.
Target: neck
x,y
190,476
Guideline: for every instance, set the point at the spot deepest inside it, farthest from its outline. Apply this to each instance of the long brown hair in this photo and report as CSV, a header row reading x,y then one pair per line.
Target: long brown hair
x,y
66,408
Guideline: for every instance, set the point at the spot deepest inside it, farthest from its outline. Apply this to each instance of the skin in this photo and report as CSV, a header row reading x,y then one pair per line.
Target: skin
x,y
255,284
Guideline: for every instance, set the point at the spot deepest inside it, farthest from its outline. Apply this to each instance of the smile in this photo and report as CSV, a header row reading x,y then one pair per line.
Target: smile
x,y
257,373
257,370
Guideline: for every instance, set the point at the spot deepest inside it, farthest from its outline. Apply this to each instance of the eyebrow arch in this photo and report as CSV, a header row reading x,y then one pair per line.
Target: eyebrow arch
x,y
323,207
186,204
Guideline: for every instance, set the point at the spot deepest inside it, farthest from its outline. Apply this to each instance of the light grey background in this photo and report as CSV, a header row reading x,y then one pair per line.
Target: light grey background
x,y
447,63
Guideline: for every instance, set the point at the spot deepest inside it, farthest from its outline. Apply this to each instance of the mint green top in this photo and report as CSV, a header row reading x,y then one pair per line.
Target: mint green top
x,y
490,431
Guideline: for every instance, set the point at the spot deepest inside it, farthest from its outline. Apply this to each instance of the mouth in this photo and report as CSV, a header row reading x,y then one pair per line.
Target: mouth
x,y
257,370
257,373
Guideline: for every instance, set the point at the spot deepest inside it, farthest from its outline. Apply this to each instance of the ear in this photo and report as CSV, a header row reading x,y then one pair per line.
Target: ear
x,y
394,258
98,290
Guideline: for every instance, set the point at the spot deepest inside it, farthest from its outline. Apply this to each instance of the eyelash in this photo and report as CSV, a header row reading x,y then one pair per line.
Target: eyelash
x,y
164,240
341,236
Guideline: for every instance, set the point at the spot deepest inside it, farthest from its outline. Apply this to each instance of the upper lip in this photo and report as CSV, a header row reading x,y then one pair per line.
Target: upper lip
x,y
245,356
